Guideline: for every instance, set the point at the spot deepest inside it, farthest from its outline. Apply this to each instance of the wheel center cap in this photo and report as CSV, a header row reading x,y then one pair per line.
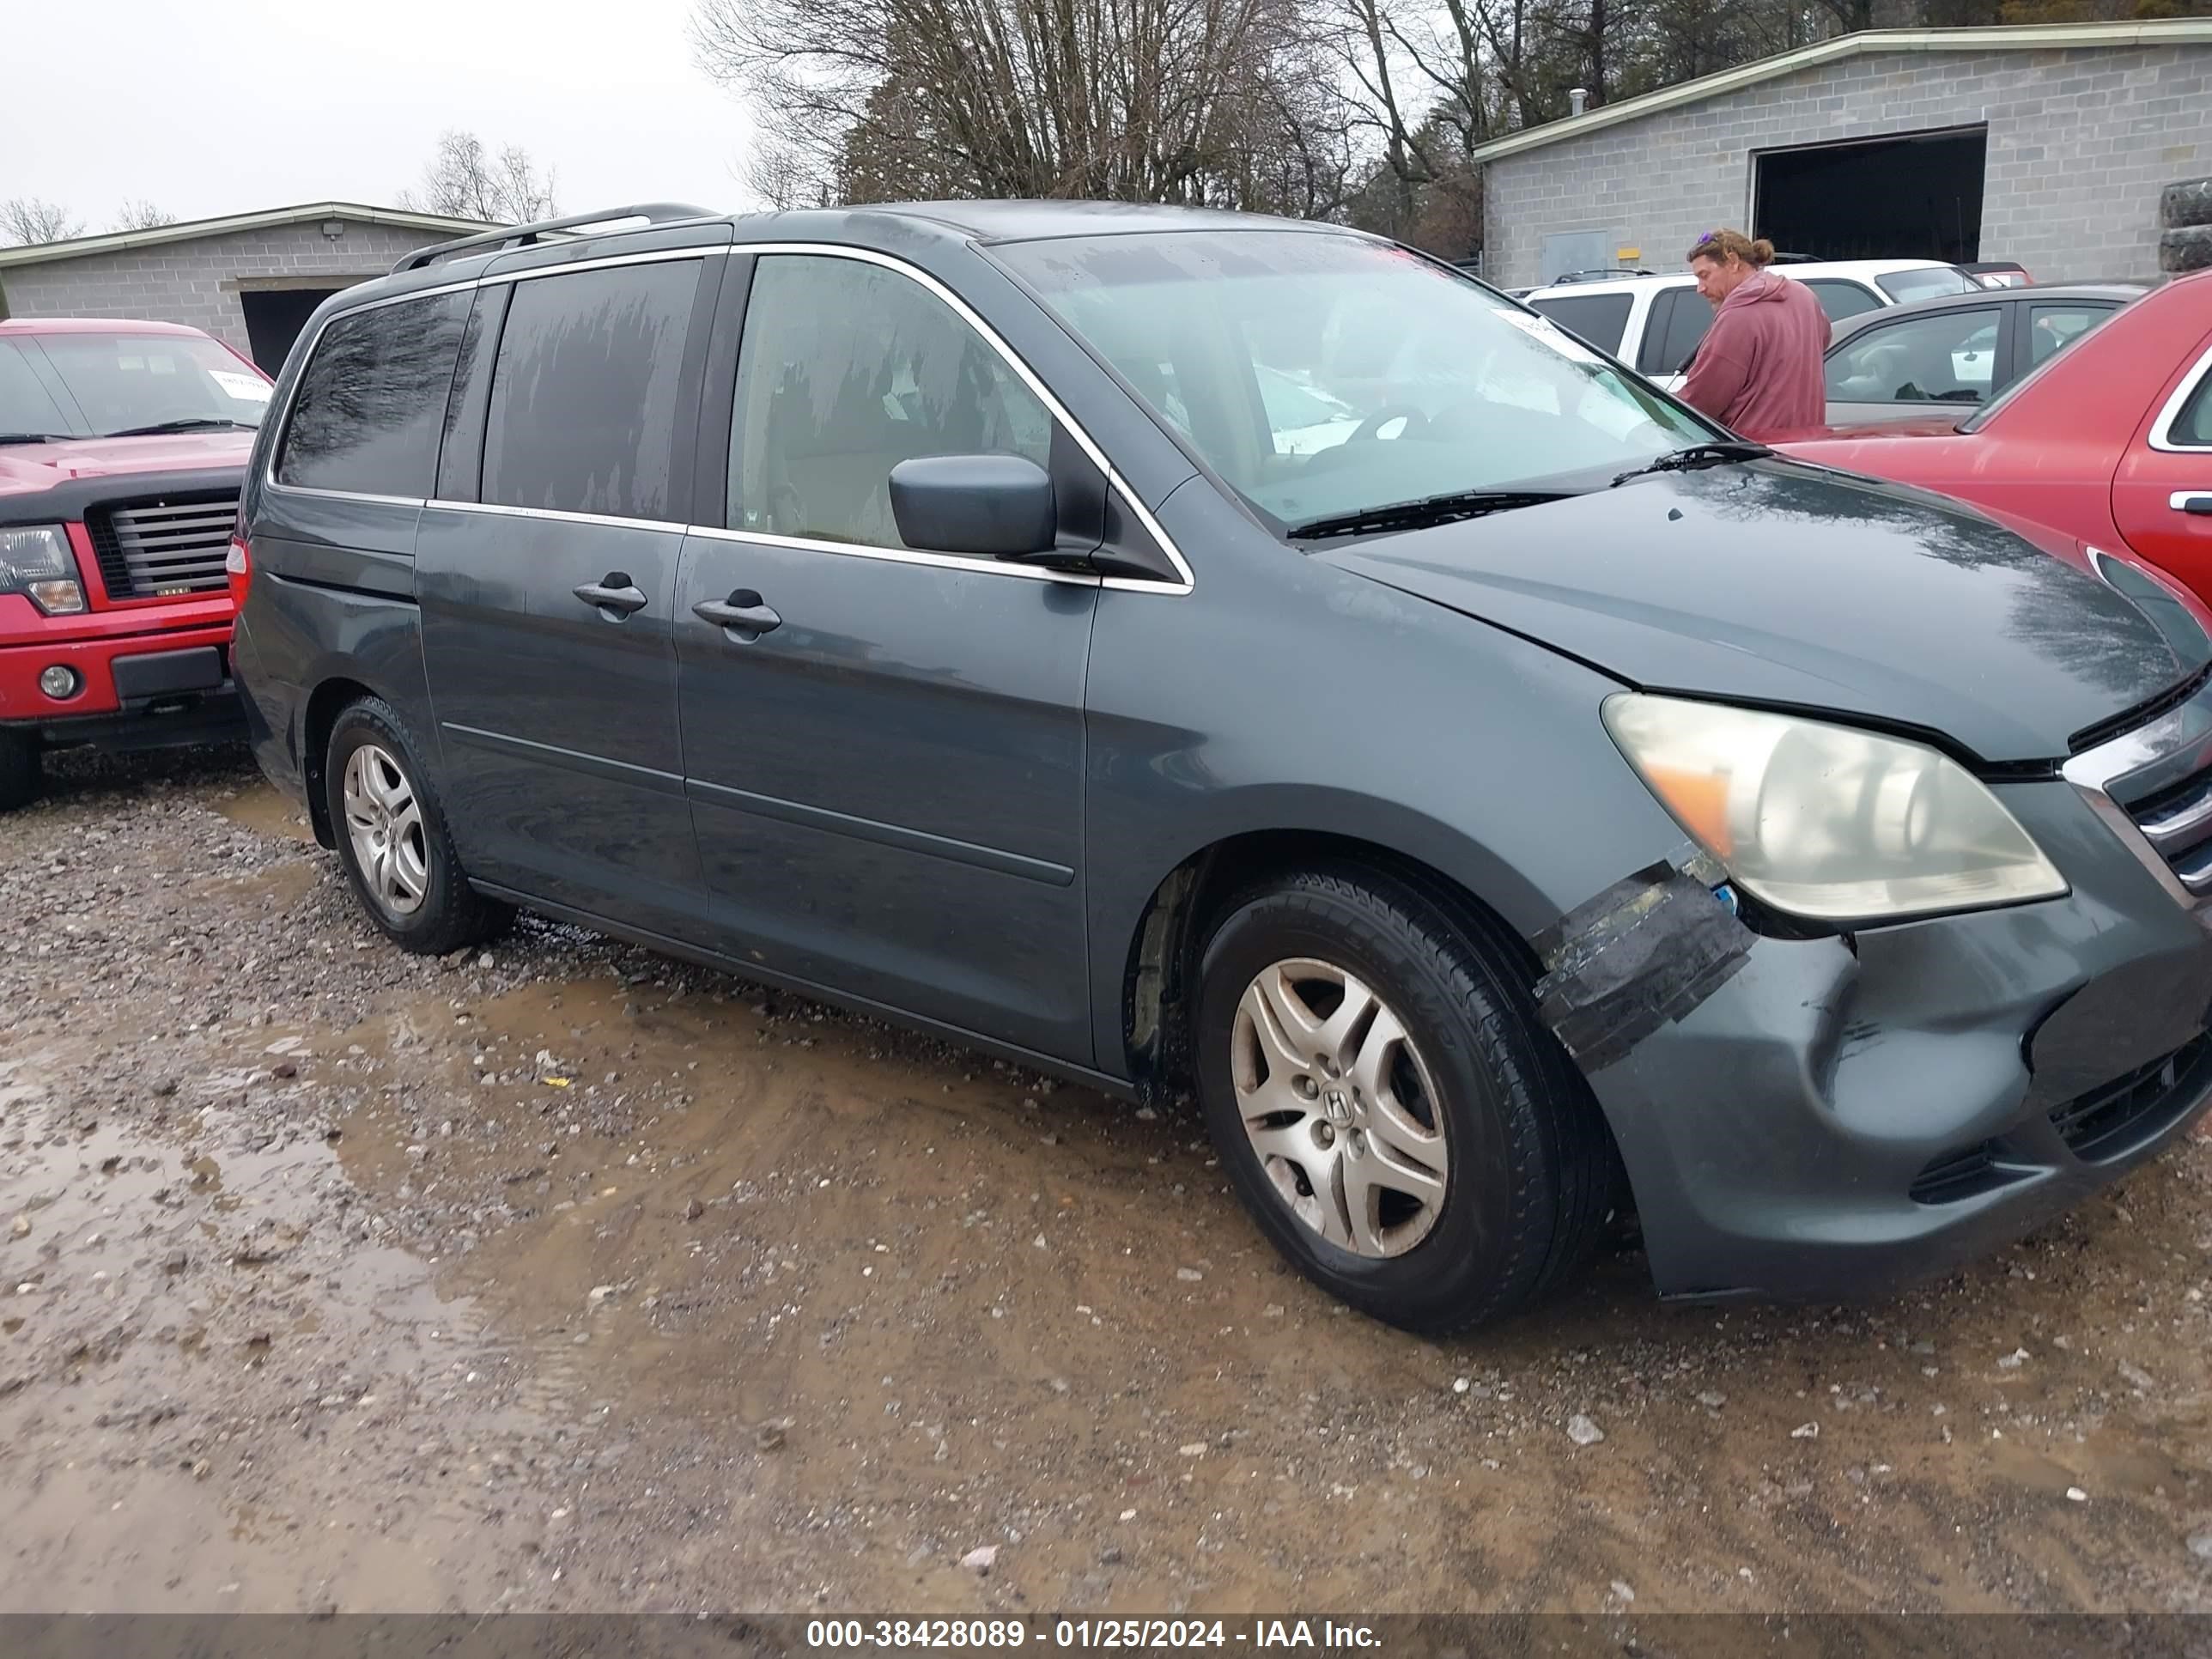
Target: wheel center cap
x,y
1337,1105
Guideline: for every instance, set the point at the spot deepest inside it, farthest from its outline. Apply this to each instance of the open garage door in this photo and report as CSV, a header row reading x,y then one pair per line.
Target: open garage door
x,y
274,318
1914,196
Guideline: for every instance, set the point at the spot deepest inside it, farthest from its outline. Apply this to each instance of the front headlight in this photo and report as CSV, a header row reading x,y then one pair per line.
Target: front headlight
x,y
35,561
1827,822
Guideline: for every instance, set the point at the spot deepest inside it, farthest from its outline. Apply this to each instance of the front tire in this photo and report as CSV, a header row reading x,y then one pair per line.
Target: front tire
x,y
1390,1109
18,770
393,838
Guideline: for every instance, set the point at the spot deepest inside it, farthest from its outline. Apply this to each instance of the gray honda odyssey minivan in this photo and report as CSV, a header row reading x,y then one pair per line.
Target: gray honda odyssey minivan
x,y
1190,651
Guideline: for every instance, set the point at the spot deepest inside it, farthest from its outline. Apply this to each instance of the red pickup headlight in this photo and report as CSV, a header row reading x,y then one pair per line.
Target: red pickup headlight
x,y
35,561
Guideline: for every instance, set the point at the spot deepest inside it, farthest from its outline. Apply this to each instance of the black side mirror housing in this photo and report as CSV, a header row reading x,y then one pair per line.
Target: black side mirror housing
x,y
992,506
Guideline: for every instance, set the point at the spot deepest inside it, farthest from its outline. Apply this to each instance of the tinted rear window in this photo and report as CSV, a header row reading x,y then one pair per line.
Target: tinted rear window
x,y
373,398
1841,300
583,394
1597,319
1677,325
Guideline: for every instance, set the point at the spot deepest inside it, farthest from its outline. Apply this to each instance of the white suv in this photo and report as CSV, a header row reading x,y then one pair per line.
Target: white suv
x,y
1653,323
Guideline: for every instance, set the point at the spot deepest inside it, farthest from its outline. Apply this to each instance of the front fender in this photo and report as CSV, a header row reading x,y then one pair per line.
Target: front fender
x,y
1288,694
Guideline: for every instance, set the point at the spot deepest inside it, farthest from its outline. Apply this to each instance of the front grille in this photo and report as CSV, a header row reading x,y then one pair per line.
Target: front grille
x,y
165,547
2112,1121
2178,822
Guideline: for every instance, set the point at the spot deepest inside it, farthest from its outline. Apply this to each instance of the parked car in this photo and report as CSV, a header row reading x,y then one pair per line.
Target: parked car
x,y
122,448
1998,273
1552,807
2109,442
1964,348
1655,324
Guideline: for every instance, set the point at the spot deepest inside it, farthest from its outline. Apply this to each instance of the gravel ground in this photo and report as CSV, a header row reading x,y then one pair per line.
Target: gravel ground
x,y
561,1276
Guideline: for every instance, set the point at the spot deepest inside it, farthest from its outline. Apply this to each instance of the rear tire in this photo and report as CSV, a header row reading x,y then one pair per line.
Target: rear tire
x,y
1389,1107
392,839
18,770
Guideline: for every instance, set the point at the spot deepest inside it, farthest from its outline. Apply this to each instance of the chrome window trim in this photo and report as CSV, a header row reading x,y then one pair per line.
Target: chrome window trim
x,y
967,314
1185,583
557,516
652,255
906,555
347,494
2161,431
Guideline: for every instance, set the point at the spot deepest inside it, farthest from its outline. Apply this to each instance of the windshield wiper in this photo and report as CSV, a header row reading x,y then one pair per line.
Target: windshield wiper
x,y
1713,454
1430,510
190,423
33,437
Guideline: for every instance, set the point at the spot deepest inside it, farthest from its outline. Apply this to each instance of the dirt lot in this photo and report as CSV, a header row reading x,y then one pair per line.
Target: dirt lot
x,y
562,1276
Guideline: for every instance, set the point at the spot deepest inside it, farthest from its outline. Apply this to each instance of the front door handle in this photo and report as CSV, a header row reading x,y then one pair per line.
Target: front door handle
x,y
2198,502
743,613
614,598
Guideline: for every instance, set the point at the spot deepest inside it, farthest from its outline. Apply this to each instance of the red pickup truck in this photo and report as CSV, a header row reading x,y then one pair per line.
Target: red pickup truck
x,y
123,446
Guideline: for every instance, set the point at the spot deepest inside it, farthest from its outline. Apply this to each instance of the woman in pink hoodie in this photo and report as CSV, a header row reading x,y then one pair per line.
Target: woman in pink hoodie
x,y
1758,372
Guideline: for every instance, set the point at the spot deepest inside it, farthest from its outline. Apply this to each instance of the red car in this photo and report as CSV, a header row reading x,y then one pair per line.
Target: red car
x,y
2109,442
123,446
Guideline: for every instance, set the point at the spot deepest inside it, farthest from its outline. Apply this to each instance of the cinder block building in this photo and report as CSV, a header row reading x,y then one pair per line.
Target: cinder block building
x,y
251,280
2045,144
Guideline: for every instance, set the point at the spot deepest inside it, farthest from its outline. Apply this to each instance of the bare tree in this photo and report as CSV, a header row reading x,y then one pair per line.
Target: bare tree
x,y
143,215
1219,102
26,220
463,180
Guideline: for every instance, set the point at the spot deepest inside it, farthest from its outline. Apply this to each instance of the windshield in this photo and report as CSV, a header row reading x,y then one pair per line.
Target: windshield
x,y
1322,374
1928,283
105,383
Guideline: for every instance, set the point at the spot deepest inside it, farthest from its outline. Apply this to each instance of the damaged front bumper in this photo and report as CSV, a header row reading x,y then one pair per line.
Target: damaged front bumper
x,y
1836,1116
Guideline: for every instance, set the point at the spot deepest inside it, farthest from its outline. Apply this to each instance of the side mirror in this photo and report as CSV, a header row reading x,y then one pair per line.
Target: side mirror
x,y
995,507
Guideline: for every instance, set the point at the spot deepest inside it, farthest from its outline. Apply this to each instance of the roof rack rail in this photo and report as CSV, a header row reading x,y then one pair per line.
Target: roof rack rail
x,y
654,213
1603,274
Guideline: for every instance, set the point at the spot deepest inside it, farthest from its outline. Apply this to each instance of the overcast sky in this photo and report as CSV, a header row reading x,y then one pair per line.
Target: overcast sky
x,y
213,109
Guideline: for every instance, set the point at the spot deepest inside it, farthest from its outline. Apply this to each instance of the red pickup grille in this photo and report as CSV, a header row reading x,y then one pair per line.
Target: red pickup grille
x,y
164,548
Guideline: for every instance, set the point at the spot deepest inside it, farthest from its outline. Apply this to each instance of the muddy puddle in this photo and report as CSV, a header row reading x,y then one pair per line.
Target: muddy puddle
x,y
179,1293
584,1280
259,806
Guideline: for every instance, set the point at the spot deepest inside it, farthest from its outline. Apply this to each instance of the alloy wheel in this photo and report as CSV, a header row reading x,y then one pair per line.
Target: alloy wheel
x,y
1340,1107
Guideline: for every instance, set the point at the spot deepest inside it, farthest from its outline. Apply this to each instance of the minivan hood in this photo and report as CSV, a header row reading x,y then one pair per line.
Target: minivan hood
x,y
1784,584
27,468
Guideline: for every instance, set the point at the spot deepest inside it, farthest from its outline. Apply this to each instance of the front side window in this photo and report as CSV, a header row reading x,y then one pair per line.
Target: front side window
x,y
846,369
1412,382
1841,300
1596,320
129,382
372,400
583,392
1949,358
2052,328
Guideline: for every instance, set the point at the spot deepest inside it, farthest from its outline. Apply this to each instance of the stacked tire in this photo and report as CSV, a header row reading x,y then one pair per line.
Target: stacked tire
x,y
2184,218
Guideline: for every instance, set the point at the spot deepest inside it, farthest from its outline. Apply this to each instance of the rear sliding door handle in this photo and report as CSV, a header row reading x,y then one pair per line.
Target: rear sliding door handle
x,y
743,614
2198,502
614,598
